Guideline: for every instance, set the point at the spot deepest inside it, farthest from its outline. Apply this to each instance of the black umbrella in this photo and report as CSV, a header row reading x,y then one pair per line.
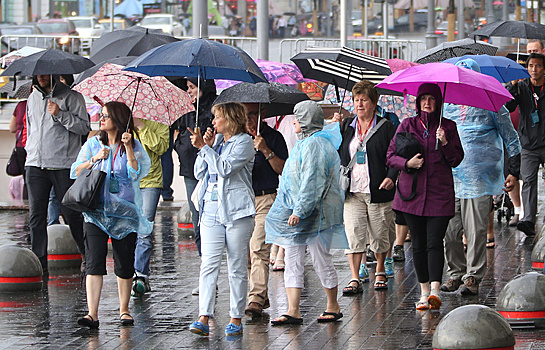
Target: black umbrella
x,y
277,98
456,48
51,61
129,42
19,90
122,61
512,29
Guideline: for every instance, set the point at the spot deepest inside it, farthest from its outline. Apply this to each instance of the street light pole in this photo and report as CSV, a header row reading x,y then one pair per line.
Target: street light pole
x,y
431,39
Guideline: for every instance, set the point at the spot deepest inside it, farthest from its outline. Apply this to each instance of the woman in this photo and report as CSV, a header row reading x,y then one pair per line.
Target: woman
x,y
226,205
308,211
119,216
368,204
429,212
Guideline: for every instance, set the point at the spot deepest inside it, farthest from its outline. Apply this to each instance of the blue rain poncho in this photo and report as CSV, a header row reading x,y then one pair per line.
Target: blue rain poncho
x,y
309,187
119,214
483,134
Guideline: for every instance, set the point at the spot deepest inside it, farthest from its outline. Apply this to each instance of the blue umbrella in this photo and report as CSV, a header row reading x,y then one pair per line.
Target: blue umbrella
x,y
499,67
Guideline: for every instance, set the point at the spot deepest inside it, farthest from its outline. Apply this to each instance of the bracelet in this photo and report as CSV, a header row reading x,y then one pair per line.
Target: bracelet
x,y
131,159
270,156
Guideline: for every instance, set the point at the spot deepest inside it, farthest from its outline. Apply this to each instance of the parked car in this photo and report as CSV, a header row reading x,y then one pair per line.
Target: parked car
x,y
402,23
167,23
119,24
64,30
442,28
29,31
374,25
87,26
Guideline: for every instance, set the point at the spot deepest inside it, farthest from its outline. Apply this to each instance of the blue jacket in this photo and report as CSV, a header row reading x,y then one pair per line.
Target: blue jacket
x,y
234,169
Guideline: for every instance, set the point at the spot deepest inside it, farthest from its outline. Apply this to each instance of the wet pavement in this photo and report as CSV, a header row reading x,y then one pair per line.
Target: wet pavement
x,y
372,320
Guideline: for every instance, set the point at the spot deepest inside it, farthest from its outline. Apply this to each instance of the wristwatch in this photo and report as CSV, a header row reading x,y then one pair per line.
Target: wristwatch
x,y
270,156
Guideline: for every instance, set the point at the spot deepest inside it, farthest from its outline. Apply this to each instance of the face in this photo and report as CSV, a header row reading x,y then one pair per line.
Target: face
x,y
427,103
219,122
534,46
192,90
62,80
106,124
296,126
252,112
535,68
363,106
44,81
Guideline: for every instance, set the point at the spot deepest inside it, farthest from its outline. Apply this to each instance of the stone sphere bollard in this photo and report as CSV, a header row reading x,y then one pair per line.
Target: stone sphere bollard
x,y
20,269
473,327
185,225
538,253
62,250
522,300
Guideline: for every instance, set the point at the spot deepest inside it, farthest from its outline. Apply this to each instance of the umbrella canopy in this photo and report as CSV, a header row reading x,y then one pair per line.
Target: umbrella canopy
x,y
277,98
129,42
50,61
151,98
122,61
456,48
458,85
499,67
198,58
21,91
512,29
399,64
22,52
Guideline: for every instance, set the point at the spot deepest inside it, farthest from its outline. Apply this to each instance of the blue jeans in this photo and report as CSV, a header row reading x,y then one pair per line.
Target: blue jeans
x,y
53,209
235,236
190,185
168,170
142,255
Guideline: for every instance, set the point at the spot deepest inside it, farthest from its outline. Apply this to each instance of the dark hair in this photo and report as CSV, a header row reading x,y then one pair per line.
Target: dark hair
x,y
365,87
69,78
120,115
537,55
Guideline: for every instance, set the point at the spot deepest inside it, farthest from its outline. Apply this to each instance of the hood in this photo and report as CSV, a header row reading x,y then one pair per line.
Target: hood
x,y
310,116
58,87
208,88
432,89
469,63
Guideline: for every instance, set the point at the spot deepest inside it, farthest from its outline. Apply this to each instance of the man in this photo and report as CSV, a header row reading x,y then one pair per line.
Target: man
x,y
56,121
478,177
529,97
155,139
270,157
535,45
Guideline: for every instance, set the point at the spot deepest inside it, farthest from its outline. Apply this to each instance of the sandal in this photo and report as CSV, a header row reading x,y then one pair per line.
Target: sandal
x,y
490,243
287,320
381,284
423,304
434,300
324,316
126,321
352,290
279,265
88,321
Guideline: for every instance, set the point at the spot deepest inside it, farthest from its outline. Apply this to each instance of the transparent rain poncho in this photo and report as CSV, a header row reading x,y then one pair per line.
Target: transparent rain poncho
x,y
309,188
118,214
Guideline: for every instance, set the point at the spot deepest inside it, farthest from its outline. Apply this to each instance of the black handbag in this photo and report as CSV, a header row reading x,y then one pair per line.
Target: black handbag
x,y
84,193
407,146
16,162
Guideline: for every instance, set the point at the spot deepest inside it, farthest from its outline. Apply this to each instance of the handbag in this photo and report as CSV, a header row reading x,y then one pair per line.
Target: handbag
x,y
407,146
16,162
344,178
84,193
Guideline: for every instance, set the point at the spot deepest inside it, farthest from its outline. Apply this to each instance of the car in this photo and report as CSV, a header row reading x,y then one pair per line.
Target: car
x,y
119,24
442,28
63,30
401,24
87,27
167,23
374,25
18,36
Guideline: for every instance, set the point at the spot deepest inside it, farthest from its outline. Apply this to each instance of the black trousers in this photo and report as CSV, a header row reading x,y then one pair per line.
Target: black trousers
x,y
39,182
427,234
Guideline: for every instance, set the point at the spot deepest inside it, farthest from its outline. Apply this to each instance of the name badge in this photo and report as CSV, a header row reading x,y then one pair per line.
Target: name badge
x,y
114,185
535,118
360,157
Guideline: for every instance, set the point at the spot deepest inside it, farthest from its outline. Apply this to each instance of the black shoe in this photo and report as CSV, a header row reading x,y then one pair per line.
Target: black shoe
x,y
88,321
527,227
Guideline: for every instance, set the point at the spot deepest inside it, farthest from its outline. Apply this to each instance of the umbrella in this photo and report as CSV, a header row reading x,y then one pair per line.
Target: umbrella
x,y
129,42
22,52
151,98
50,61
277,98
519,57
21,90
399,64
512,29
499,67
458,85
456,48
122,61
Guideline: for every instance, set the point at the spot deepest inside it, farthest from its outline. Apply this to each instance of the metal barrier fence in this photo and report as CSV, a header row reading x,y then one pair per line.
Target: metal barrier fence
x,y
72,44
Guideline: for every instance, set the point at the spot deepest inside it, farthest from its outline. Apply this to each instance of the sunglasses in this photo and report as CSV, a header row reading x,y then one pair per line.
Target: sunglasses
x,y
103,116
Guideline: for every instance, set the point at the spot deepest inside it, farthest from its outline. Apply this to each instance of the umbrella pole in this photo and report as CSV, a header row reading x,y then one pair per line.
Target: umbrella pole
x,y
441,117
198,93
258,118
133,102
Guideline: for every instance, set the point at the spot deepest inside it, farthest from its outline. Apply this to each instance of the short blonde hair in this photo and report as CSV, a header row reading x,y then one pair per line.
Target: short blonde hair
x,y
235,116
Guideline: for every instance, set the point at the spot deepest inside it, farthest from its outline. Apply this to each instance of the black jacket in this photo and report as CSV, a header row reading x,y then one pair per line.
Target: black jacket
x,y
376,148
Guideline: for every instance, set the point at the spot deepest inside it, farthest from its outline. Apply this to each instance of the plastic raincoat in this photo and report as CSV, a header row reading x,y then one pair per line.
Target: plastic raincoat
x,y
119,214
482,134
309,187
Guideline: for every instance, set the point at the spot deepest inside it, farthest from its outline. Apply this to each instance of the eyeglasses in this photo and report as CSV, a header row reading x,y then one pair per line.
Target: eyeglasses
x,y
103,116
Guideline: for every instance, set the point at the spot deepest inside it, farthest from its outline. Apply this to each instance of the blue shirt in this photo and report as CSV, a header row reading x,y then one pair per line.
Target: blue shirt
x,y
263,175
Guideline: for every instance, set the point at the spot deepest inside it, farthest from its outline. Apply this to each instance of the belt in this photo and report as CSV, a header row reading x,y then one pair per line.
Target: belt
x,y
264,192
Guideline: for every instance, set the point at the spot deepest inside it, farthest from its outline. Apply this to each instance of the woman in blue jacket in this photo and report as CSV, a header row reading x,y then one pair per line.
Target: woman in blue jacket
x,y
226,205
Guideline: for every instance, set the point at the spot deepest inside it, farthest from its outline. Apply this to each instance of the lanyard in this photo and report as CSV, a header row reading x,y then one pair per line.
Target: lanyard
x,y
426,132
536,96
113,160
360,136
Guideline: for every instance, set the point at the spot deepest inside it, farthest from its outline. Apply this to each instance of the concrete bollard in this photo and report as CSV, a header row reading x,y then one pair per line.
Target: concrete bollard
x,y
185,225
522,301
473,327
538,252
20,269
62,251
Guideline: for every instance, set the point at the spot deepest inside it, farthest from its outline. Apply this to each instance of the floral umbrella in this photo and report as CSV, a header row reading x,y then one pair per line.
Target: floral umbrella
x,y
151,98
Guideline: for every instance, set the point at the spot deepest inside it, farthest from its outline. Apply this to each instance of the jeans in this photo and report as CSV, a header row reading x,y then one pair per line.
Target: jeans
x,y
150,199
53,209
39,183
235,236
168,169
190,185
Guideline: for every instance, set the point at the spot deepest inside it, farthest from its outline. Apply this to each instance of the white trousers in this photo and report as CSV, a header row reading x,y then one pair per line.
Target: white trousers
x,y
321,260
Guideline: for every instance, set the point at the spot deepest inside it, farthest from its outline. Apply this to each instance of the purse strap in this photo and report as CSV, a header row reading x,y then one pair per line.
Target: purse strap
x,y
19,135
367,137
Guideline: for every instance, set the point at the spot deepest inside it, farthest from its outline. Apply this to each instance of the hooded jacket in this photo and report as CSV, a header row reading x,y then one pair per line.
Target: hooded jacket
x,y
435,186
54,141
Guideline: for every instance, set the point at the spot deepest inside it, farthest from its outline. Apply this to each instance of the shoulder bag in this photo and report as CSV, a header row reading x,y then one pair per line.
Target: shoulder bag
x,y
16,162
84,193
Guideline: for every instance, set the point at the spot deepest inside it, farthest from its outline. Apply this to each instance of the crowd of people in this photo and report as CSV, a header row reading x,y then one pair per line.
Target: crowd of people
x,y
358,184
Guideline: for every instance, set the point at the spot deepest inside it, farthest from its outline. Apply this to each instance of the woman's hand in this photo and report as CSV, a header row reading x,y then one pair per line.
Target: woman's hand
x,y
337,118
102,154
415,162
440,135
209,136
126,139
293,220
387,184
196,138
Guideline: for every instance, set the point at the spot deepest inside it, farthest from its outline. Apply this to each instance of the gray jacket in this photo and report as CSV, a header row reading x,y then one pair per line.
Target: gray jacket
x,y
54,142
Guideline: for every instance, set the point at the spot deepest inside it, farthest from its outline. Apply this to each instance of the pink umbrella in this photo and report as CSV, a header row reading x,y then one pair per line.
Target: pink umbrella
x,y
151,98
397,64
459,85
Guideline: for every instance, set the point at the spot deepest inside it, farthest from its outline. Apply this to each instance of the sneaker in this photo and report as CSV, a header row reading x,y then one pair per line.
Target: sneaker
x,y
451,285
370,255
232,330
399,253
527,227
140,286
195,291
389,267
514,220
199,328
470,287
364,273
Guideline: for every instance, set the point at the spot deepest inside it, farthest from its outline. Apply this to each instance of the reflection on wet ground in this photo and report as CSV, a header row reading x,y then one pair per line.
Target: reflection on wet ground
x,y
373,320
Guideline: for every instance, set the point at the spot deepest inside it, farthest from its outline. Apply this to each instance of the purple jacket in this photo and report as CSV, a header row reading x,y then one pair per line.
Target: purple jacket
x,y
435,187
